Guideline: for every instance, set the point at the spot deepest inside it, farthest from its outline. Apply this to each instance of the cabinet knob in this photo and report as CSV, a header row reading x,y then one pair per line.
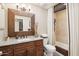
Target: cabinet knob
x,y
1,53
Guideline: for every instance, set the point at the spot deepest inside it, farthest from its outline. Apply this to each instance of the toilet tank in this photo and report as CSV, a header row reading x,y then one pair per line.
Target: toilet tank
x,y
45,41
45,38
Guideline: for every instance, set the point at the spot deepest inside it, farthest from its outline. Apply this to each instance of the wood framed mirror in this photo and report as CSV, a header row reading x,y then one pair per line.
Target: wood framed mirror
x,y
20,23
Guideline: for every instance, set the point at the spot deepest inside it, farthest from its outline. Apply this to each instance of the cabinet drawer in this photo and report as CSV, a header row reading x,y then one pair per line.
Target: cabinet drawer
x,y
30,44
20,45
39,43
23,45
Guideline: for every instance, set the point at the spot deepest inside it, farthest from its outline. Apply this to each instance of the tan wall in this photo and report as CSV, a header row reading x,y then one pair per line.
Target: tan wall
x,y
62,33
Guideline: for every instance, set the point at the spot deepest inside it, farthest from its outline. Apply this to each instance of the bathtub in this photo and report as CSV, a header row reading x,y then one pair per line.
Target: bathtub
x,y
62,45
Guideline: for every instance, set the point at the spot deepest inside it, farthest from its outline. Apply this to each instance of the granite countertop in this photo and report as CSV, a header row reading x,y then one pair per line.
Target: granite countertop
x,y
12,41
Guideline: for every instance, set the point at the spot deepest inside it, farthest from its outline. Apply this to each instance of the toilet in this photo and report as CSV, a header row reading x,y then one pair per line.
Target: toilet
x,y
48,48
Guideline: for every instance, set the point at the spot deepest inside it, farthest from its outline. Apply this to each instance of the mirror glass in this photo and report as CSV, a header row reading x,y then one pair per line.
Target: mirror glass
x,y
22,23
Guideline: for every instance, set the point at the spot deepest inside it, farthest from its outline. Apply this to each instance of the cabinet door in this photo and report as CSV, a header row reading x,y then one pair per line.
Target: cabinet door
x,y
21,52
24,49
7,50
39,48
20,49
30,49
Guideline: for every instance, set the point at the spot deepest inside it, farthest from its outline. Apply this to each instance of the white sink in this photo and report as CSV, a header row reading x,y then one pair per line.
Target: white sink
x,y
25,39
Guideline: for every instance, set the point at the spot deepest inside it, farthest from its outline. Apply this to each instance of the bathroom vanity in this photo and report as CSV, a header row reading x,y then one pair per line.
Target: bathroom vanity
x,y
22,47
21,24
21,31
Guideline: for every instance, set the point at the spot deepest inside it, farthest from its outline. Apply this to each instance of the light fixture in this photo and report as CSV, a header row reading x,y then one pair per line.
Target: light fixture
x,y
23,7
29,7
1,6
17,6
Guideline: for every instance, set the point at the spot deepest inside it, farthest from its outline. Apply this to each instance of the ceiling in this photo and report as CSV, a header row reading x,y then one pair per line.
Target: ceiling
x,y
44,5
41,5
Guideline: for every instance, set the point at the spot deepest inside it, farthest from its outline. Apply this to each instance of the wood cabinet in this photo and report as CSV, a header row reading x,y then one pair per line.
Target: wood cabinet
x,y
7,50
24,49
39,48
33,48
30,49
20,49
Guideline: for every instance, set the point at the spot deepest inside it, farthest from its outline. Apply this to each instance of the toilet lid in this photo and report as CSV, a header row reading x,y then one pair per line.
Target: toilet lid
x,y
50,47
